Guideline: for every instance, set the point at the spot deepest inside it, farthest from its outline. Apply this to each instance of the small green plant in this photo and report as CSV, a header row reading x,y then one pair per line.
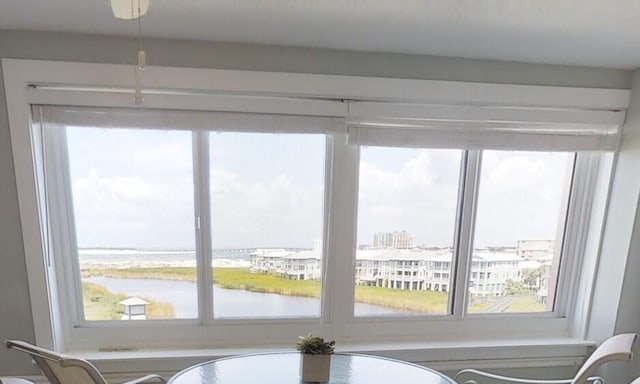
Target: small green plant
x,y
314,345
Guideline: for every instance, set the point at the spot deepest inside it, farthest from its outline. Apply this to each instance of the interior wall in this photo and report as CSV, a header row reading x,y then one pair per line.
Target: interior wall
x,y
15,319
628,317
122,50
16,315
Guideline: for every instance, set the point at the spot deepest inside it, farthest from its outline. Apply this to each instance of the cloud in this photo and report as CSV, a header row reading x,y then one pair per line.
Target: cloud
x,y
267,191
133,211
520,195
128,194
131,188
417,195
276,213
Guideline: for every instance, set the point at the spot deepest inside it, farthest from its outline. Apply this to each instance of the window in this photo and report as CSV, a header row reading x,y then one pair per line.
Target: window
x,y
522,203
377,221
224,221
132,201
406,219
136,214
133,204
522,200
266,197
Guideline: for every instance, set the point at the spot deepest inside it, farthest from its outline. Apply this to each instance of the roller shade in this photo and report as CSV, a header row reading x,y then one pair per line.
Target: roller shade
x,y
184,120
380,124
469,127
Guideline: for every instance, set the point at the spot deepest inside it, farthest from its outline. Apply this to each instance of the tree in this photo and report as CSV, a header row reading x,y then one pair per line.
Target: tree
x,y
531,278
514,288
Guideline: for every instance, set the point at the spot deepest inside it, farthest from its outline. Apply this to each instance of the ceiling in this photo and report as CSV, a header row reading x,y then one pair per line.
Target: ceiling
x,y
596,33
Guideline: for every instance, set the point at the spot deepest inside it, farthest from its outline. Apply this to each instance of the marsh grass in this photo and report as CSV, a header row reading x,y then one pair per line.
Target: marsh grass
x,y
241,278
156,273
525,304
415,301
100,304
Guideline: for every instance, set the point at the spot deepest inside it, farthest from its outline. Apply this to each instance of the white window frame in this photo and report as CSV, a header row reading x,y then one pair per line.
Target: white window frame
x,y
63,228
39,82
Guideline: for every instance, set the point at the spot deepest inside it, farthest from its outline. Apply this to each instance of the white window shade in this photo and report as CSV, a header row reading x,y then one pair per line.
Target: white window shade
x,y
474,127
183,120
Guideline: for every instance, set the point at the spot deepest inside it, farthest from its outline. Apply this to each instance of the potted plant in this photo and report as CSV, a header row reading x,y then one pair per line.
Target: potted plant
x,y
315,359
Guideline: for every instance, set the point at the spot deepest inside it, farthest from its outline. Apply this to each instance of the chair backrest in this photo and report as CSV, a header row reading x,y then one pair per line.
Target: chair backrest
x,y
59,368
617,347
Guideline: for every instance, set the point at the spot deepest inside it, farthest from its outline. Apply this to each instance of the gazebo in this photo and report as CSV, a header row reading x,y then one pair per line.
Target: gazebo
x,y
134,309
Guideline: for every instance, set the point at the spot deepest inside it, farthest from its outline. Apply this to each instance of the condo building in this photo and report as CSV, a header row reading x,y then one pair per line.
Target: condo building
x,y
413,269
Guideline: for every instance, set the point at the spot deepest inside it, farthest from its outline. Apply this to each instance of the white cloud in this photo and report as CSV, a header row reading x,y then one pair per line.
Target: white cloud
x,y
128,194
520,195
407,196
270,193
277,212
133,211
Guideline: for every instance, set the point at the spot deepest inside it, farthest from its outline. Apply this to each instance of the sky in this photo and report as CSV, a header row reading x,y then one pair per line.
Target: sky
x,y
416,190
134,188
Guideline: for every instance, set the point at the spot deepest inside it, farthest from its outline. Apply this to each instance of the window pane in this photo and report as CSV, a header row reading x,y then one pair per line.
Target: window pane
x,y
520,219
406,220
133,203
267,195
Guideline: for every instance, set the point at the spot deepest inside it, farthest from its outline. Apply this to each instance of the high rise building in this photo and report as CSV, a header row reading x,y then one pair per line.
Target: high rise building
x,y
397,240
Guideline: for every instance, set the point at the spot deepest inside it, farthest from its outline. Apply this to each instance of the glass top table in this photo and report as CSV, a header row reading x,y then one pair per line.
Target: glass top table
x,y
284,368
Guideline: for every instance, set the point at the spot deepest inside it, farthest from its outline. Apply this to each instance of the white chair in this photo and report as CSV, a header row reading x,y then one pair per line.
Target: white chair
x,y
63,369
14,380
614,348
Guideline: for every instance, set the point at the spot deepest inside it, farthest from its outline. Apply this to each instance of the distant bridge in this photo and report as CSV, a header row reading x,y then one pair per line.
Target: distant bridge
x,y
251,250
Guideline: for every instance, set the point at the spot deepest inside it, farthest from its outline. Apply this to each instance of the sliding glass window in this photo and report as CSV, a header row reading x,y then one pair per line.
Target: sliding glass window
x,y
132,197
519,230
407,206
168,215
267,194
233,226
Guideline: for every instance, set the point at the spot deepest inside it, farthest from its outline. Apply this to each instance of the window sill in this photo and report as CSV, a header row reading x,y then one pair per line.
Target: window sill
x,y
449,356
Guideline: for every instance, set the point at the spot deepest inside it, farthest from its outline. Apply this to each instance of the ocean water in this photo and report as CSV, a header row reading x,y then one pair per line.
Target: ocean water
x,y
145,257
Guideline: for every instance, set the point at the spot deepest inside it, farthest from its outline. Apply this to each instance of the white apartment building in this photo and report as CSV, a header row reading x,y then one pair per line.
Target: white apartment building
x,y
535,249
415,269
404,269
491,270
303,265
268,260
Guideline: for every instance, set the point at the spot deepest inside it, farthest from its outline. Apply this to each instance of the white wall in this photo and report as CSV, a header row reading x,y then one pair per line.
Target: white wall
x,y
628,310
16,319
15,308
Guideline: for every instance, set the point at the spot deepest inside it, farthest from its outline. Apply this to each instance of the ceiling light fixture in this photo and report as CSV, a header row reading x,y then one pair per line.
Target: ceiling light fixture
x,y
122,9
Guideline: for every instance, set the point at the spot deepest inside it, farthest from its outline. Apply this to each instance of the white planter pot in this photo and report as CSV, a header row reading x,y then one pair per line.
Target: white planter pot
x,y
315,368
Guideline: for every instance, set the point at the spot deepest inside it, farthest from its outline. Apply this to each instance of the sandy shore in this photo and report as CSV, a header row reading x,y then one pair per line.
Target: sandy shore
x,y
124,264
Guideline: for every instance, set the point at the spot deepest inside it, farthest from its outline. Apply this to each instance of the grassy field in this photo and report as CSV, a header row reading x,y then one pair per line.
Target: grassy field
x,y
526,304
100,304
242,278
414,301
161,273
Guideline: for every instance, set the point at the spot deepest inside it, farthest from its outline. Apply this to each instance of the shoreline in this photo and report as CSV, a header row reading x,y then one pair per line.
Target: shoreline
x,y
124,264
